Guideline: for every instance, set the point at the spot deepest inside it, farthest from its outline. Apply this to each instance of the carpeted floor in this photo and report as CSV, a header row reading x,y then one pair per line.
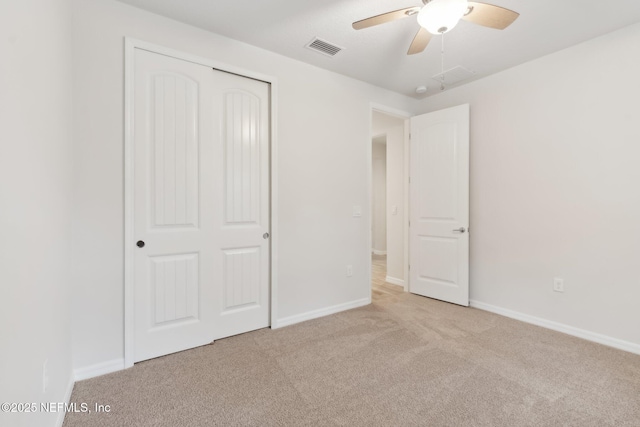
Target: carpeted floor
x,y
402,361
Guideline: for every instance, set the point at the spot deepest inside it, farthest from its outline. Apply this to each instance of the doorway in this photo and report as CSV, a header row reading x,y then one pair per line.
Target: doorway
x,y
388,203
436,246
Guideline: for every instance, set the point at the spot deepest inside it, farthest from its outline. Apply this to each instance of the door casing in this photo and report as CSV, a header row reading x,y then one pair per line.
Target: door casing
x,y
130,45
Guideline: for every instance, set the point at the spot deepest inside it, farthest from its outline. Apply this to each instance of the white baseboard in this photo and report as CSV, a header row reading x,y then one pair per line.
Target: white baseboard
x,y
320,313
67,399
559,327
377,252
99,369
394,281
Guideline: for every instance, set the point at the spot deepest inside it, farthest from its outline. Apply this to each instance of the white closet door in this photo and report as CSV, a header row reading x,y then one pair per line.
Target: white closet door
x,y
240,162
194,260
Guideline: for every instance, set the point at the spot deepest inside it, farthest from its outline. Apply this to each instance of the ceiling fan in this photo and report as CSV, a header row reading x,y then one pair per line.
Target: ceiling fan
x,y
440,16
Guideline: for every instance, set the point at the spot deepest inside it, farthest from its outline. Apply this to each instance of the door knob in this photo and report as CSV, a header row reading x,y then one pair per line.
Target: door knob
x,y
459,230
265,236
140,244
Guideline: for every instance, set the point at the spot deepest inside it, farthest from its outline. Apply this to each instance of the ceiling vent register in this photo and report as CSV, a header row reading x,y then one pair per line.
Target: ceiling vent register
x,y
323,47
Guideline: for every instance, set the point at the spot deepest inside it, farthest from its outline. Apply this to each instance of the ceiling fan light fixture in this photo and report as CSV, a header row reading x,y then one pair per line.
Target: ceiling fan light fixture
x,y
441,16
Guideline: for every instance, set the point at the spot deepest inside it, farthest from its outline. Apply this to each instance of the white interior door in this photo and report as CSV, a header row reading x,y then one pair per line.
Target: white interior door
x,y
201,189
439,205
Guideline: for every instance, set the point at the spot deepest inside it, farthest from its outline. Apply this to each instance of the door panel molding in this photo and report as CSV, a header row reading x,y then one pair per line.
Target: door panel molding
x,y
130,46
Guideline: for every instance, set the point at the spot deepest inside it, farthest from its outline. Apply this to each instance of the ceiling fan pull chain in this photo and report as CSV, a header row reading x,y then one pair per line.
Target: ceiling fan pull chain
x,y
442,63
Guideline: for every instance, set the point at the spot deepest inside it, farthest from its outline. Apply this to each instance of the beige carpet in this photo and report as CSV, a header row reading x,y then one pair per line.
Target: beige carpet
x,y
402,361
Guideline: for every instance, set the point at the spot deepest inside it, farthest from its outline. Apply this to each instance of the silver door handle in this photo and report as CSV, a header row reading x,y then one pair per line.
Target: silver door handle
x,y
459,230
265,236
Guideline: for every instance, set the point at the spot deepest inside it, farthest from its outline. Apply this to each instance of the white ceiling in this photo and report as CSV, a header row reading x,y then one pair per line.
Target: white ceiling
x,y
378,54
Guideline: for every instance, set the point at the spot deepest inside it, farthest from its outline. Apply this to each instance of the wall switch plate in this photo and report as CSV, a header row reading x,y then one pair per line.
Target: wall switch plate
x,y
349,270
394,210
357,211
558,284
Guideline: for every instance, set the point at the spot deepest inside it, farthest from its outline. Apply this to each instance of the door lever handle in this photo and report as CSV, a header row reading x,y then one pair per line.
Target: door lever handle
x,y
459,230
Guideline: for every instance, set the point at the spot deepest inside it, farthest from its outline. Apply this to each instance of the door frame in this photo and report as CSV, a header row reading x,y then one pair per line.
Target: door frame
x,y
130,45
406,116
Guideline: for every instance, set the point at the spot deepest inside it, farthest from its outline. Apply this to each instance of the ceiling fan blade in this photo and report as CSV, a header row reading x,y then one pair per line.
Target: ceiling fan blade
x,y
420,42
385,17
490,16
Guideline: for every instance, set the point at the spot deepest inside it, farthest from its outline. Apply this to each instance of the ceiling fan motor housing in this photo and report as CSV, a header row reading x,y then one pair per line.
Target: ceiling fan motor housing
x,y
441,16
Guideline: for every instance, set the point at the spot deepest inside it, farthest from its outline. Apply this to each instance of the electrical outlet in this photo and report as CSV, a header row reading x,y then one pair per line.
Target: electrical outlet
x,y
45,376
357,211
558,284
349,270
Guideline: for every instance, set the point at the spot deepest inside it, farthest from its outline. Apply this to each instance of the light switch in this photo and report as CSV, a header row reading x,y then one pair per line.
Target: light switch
x,y
357,211
394,210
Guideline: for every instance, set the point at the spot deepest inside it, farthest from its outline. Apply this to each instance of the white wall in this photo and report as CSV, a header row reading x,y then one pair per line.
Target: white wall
x,y
379,196
324,153
555,185
35,213
393,129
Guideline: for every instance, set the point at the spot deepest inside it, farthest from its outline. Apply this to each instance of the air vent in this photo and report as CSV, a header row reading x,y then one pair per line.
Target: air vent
x,y
454,75
323,47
